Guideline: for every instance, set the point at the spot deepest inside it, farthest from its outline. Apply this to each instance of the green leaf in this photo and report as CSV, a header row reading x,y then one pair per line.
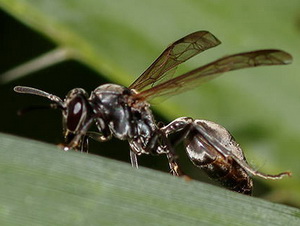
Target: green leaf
x,y
43,185
120,39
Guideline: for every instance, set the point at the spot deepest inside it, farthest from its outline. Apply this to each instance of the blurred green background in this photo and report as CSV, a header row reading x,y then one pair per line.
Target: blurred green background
x,y
116,41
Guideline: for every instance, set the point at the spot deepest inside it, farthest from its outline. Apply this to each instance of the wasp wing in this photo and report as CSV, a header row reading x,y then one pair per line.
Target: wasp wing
x,y
211,70
177,53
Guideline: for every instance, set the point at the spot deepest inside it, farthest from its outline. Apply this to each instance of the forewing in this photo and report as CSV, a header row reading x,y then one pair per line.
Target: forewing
x,y
211,70
177,53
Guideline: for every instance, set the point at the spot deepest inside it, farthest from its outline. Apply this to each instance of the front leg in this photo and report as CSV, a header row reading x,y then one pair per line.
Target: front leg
x,y
80,137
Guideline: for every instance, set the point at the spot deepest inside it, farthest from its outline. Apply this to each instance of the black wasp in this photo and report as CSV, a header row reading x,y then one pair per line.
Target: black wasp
x,y
125,114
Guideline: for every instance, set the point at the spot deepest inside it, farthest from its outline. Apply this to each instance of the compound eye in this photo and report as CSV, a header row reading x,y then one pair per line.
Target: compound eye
x,y
76,108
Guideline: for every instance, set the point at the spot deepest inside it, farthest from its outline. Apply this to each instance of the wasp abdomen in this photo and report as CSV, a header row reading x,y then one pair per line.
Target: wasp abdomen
x,y
223,169
228,173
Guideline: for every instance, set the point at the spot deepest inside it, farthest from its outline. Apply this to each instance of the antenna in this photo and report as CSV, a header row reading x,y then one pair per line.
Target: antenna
x,y
38,92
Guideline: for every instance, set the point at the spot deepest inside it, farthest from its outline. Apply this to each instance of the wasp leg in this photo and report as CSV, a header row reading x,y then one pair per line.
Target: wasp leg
x,y
133,159
79,137
254,172
171,156
139,146
182,125
175,169
157,144
97,136
84,146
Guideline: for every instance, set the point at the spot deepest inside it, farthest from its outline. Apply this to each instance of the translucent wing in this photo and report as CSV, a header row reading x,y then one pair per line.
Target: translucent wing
x,y
177,53
211,70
